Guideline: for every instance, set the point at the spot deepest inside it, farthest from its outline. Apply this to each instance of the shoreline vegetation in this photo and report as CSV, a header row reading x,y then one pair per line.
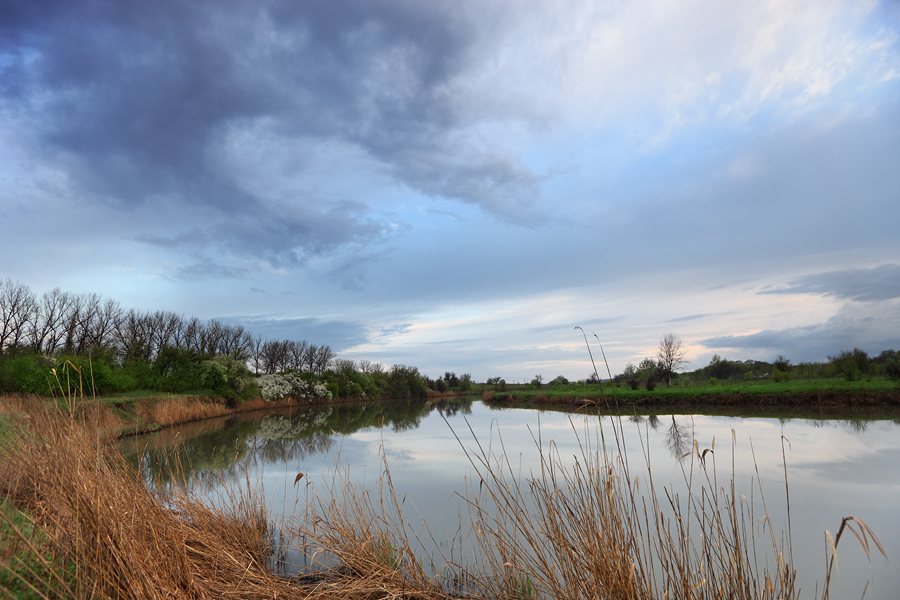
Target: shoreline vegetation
x,y
77,521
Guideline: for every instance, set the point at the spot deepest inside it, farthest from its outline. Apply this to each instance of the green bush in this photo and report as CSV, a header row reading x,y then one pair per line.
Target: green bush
x,y
231,376
779,376
405,382
24,372
892,369
713,381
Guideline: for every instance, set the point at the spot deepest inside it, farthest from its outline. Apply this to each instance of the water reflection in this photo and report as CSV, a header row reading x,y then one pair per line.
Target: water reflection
x,y
837,466
218,450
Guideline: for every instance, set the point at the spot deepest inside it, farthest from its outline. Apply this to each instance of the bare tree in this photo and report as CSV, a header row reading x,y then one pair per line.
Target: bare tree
x,y
324,356
309,358
297,352
671,355
344,365
369,367
17,311
256,345
47,328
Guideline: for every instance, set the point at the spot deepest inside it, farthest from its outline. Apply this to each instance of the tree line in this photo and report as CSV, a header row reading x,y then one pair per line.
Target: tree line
x,y
60,322
849,364
131,349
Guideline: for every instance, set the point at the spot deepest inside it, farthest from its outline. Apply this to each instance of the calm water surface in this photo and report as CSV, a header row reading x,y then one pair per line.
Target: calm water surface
x,y
835,468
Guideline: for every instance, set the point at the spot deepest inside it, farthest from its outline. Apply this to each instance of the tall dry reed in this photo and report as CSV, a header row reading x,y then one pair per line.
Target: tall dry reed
x,y
588,530
101,532
109,536
172,411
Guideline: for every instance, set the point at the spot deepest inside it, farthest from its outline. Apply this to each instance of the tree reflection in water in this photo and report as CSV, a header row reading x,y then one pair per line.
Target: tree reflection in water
x,y
678,439
222,451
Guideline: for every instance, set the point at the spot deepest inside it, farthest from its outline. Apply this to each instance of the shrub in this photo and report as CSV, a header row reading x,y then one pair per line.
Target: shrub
x,y
24,372
713,381
288,385
234,373
781,364
779,376
405,382
851,363
892,368
633,383
651,383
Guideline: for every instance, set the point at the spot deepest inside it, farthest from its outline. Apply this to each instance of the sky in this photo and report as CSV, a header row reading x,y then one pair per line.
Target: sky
x,y
456,185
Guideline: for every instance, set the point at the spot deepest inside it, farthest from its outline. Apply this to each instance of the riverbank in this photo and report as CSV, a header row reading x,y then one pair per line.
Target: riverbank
x,y
815,393
76,491
146,412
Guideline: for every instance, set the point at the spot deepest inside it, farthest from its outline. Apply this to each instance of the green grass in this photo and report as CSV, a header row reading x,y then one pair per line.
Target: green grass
x,y
687,389
26,573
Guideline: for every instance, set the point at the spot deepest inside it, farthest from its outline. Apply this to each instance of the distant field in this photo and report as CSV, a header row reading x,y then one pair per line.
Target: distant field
x,y
875,390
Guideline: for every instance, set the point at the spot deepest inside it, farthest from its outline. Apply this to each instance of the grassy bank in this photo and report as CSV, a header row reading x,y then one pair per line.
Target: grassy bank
x,y
824,392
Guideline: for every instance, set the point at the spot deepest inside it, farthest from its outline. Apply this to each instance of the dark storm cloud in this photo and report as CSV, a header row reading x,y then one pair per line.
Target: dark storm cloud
x,y
861,285
284,236
136,97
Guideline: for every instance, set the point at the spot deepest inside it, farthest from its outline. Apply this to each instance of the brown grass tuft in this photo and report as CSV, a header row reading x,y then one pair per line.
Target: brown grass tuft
x,y
172,411
109,535
105,534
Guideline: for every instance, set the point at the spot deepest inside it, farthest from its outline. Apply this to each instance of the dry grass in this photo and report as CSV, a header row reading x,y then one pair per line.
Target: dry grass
x,y
592,529
364,533
104,534
109,536
176,410
587,530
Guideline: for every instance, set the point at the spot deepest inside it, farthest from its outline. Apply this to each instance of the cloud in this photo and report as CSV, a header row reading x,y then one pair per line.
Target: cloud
x,y
339,335
137,98
872,327
861,285
689,318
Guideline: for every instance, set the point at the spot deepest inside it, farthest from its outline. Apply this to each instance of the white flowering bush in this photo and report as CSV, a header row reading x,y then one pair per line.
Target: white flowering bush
x,y
287,385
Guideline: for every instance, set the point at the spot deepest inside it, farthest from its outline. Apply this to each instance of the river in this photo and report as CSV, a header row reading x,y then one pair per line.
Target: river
x,y
835,468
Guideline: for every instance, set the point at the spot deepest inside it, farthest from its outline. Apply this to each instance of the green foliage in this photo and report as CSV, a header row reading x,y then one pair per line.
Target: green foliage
x,y
451,380
231,375
781,364
713,381
651,383
465,382
851,364
778,376
405,382
892,369
24,372
498,383
29,569
559,380
646,369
